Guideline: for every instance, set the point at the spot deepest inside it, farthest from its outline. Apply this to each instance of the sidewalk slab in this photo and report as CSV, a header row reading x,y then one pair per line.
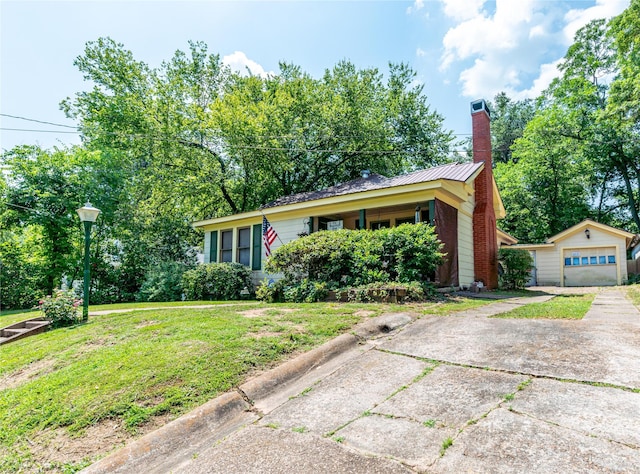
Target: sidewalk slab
x,y
412,443
604,412
612,306
505,442
452,396
545,348
257,450
346,394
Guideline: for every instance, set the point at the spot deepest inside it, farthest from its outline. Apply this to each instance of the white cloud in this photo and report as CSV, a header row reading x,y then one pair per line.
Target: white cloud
x,y
417,6
461,10
421,53
512,48
577,18
238,61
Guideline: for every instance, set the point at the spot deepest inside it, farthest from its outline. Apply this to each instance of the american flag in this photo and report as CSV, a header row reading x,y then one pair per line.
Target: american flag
x,y
268,235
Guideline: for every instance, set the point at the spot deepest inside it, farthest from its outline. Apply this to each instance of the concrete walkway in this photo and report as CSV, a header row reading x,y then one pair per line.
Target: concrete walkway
x,y
612,306
440,394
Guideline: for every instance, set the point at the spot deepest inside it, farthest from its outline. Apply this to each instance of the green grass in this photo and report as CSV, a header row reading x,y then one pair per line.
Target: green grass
x,y
9,317
560,307
633,292
131,367
454,304
168,304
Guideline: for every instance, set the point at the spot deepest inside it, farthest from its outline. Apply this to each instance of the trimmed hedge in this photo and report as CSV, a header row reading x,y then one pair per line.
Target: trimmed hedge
x,y
217,281
330,260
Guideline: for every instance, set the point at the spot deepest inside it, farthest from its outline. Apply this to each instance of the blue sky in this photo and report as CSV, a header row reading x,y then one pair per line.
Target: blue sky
x,y
461,49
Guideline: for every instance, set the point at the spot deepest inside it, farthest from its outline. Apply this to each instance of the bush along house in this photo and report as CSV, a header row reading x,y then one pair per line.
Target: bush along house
x,y
460,199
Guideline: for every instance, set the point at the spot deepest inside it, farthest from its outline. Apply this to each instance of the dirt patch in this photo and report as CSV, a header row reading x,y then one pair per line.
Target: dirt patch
x,y
54,447
261,334
26,374
144,324
258,312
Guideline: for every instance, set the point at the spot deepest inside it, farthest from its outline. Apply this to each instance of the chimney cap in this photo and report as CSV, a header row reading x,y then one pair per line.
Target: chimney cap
x,y
480,105
365,173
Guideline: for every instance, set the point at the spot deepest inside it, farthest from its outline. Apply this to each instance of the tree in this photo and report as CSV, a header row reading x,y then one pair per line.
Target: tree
x,y
546,189
577,157
508,121
204,141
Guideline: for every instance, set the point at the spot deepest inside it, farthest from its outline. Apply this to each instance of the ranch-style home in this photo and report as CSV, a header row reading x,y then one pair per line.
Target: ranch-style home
x,y
587,254
461,200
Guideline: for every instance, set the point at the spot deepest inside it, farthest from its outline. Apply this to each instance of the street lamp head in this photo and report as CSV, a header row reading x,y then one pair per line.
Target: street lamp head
x,y
88,213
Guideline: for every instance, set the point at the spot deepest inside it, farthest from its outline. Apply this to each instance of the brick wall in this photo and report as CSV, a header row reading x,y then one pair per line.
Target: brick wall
x,y
484,220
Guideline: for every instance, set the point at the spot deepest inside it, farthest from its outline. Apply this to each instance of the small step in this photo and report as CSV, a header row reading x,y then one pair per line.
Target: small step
x,y
2,339
35,324
14,331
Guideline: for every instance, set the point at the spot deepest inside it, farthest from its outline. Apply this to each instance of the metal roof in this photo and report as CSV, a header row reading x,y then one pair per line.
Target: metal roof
x,y
453,172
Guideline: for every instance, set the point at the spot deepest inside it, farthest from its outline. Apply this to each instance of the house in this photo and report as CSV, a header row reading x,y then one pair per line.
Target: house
x,y
587,254
461,200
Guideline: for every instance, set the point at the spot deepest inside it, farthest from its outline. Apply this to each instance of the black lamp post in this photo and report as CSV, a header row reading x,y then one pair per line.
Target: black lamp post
x,y
88,215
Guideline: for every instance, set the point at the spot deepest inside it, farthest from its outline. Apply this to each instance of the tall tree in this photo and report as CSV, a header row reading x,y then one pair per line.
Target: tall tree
x,y
508,120
207,141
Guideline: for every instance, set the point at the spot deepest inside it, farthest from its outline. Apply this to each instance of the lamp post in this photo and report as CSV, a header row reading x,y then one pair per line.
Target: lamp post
x,y
88,215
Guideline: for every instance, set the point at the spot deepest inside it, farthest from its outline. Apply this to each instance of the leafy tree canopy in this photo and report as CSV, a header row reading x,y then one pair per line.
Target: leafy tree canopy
x,y
211,142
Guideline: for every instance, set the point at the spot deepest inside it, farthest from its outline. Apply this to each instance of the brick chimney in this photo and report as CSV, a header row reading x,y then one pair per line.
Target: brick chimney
x,y
485,243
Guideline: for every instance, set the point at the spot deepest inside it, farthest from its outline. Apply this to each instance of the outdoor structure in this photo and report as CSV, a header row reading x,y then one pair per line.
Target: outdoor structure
x,y
587,254
461,200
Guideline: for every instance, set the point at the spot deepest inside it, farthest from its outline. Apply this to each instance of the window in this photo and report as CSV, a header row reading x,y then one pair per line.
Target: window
x,y
380,225
244,246
226,247
575,261
602,260
567,262
406,220
611,259
593,261
585,260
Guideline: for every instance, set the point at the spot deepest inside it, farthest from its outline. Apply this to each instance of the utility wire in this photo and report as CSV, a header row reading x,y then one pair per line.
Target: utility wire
x,y
39,121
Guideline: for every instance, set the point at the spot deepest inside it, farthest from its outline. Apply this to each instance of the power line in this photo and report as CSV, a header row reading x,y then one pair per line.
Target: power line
x,y
39,121
36,131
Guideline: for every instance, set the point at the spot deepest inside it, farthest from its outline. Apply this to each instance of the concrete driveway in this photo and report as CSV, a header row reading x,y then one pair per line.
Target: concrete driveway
x,y
464,393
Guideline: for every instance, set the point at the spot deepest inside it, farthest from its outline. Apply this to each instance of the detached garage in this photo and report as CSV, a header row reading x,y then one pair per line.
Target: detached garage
x,y
587,254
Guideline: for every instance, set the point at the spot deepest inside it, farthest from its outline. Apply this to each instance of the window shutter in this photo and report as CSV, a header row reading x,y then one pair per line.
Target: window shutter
x,y
256,260
213,247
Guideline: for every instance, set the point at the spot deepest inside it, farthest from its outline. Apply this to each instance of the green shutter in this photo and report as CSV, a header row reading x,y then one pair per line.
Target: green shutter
x,y
432,212
256,261
213,247
362,222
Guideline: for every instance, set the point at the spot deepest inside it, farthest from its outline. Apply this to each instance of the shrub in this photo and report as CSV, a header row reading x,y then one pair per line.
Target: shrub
x,y
401,292
163,282
359,257
633,278
217,281
61,308
517,264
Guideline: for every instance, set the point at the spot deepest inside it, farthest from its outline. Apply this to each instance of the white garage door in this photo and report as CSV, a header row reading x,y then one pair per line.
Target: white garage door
x,y
590,267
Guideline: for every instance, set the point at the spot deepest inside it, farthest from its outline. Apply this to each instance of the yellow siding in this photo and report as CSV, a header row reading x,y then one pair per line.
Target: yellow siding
x,y
287,231
465,245
550,261
207,247
547,270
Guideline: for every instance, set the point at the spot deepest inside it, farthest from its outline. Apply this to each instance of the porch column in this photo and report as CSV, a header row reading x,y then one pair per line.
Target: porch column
x,y
363,216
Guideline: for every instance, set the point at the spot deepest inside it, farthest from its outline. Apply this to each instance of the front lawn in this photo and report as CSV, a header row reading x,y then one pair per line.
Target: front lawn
x,y
559,307
70,395
128,372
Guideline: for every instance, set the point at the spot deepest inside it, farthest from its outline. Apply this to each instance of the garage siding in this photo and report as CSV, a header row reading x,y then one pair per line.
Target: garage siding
x,y
548,272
